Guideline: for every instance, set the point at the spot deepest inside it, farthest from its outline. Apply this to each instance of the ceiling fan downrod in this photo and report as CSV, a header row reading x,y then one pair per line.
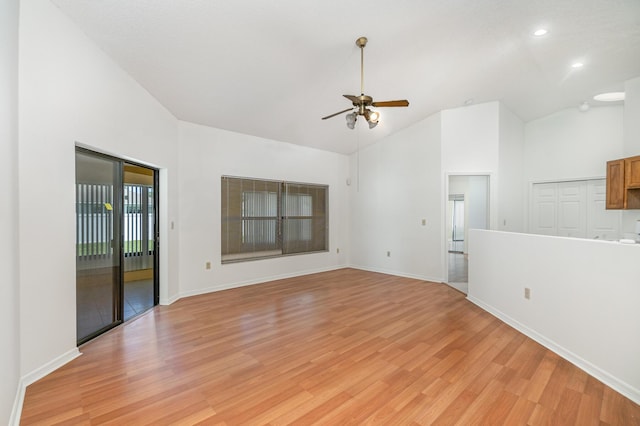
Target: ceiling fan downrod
x,y
361,43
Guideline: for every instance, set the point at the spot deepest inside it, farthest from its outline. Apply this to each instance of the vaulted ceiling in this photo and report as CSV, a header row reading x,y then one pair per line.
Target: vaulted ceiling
x,y
273,68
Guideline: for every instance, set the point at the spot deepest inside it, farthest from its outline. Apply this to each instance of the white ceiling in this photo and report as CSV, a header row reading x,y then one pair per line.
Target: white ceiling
x,y
273,68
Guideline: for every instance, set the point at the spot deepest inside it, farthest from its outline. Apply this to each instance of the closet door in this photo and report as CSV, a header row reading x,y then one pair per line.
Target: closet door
x,y
544,209
572,209
601,223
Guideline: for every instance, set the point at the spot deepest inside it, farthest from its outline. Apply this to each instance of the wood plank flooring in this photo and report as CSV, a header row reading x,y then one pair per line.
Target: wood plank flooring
x,y
336,348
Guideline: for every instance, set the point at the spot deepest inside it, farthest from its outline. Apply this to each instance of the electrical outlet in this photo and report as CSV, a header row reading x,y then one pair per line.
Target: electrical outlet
x,y
527,293
388,254
338,250
207,265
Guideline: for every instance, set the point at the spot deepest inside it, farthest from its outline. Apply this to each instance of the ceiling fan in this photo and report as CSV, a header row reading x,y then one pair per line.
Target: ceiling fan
x,y
362,103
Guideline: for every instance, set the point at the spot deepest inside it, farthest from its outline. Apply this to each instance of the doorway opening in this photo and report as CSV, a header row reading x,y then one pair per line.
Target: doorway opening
x,y
116,242
467,208
139,240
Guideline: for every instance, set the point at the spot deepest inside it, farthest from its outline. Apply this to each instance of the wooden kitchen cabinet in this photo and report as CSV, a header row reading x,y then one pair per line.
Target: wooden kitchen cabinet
x,y
623,183
632,172
615,184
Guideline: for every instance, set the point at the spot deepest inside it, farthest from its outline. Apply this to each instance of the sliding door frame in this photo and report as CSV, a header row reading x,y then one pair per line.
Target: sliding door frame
x,y
118,197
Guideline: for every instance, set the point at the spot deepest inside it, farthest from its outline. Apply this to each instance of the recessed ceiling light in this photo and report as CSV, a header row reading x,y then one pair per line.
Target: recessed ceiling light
x,y
540,32
609,97
577,65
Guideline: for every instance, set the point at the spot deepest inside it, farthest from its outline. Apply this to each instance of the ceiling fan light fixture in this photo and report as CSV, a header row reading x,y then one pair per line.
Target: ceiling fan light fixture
x,y
360,104
351,120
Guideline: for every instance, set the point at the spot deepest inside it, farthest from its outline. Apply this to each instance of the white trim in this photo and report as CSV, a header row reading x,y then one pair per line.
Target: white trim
x,y
398,274
534,181
169,300
14,418
50,366
492,212
36,375
260,280
613,382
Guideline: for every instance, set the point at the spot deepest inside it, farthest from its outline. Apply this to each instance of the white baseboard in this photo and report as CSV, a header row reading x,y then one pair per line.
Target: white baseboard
x,y
169,300
260,280
608,379
16,411
397,273
33,377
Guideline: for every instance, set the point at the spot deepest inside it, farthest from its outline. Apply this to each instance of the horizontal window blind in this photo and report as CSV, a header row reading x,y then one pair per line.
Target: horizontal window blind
x,y
262,218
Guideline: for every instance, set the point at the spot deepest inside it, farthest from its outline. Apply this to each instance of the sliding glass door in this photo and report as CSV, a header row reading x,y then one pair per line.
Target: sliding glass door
x,y
139,240
98,260
116,242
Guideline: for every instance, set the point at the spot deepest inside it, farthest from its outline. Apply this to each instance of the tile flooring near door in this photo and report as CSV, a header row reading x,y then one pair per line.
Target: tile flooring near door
x,y
138,297
94,298
95,301
459,271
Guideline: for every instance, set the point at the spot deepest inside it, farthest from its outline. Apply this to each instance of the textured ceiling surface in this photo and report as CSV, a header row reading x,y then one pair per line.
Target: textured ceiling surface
x,y
273,69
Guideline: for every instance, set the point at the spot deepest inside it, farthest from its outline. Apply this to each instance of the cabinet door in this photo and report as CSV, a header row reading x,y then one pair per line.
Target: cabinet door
x,y
632,172
615,184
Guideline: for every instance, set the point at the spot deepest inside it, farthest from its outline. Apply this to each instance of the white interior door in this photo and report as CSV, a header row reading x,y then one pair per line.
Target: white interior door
x,y
572,209
601,223
544,207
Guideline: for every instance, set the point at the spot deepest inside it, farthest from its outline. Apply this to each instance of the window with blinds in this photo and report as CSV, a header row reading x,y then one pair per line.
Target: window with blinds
x,y
262,218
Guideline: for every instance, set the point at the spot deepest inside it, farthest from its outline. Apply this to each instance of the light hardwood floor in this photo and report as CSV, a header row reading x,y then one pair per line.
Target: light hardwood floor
x,y
342,347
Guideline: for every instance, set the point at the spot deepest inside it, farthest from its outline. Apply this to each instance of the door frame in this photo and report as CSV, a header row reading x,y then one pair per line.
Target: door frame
x,y
118,197
491,208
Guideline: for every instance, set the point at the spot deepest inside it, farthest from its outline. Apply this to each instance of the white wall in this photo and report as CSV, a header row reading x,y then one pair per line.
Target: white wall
x,y
632,117
584,297
470,145
417,160
396,183
9,315
571,144
206,154
511,186
70,91
631,144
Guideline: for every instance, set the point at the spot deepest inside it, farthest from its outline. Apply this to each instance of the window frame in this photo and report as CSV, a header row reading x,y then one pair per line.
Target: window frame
x,y
318,219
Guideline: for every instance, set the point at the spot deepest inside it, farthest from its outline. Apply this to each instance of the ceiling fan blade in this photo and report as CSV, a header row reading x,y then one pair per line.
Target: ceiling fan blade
x,y
400,103
337,113
353,99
